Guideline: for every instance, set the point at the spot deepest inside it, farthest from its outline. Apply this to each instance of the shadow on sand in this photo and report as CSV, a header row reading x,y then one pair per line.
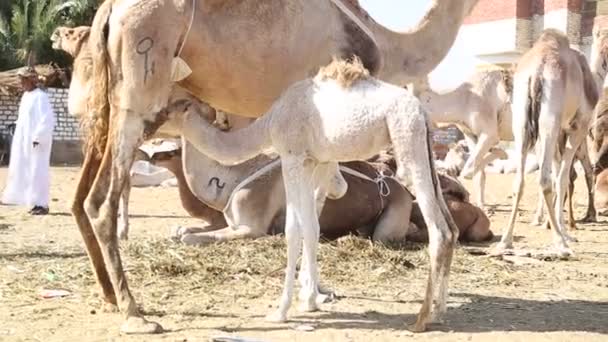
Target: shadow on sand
x,y
480,314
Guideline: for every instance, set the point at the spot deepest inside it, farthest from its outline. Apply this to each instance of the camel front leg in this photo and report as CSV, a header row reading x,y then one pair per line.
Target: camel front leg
x,y
126,129
300,201
329,183
221,235
90,168
475,161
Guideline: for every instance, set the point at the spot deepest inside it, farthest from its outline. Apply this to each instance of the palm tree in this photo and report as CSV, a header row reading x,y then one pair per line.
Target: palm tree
x,y
78,12
26,27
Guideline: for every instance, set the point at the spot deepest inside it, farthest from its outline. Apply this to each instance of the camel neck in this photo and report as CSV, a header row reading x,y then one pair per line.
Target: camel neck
x,y
212,182
442,108
416,52
194,206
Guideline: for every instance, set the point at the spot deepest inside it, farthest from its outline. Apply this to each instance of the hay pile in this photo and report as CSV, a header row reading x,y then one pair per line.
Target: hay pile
x,y
170,277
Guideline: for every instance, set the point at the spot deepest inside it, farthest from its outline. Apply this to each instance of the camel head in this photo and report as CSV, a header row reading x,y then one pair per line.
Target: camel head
x,y
162,152
599,56
451,186
74,41
70,39
166,159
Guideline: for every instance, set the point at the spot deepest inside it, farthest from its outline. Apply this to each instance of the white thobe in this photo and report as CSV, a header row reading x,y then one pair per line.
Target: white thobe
x,y
28,180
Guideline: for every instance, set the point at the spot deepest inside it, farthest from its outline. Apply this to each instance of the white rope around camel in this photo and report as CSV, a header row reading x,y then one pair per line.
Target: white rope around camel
x,y
179,67
383,187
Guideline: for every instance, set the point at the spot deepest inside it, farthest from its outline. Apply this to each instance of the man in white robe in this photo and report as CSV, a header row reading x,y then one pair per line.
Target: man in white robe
x,y
28,180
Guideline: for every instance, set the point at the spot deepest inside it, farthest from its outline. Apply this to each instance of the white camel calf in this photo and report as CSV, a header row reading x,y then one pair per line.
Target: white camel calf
x,y
341,115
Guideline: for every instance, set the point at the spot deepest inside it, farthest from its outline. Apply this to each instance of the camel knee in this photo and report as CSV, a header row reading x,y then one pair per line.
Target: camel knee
x,y
337,186
546,184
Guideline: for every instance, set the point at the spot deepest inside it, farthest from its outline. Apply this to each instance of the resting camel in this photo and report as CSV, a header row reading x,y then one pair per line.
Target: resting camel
x,y
134,64
254,202
342,114
473,224
554,93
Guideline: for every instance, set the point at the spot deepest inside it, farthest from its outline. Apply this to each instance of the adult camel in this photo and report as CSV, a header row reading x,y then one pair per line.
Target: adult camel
x,y
553,99
134,45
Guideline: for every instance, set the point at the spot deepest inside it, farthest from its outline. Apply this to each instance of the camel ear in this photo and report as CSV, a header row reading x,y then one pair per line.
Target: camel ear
x,y
83,34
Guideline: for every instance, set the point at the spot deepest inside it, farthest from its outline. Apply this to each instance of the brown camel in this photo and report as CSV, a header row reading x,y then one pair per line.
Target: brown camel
x,y
473,224
554,93
133,70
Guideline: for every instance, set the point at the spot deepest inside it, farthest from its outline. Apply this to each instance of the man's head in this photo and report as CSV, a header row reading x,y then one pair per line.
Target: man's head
x,y
28,77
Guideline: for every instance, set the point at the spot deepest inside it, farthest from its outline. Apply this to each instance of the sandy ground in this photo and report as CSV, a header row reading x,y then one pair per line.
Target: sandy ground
x,y
520,299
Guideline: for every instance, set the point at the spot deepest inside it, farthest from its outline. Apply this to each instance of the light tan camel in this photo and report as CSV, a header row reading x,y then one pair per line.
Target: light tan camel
x,y
480,108
342,114
554,93
273,45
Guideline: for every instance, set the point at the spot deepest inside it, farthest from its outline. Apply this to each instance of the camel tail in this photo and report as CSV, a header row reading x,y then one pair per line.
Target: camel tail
x,y
98,102
437,186
534,98
590,87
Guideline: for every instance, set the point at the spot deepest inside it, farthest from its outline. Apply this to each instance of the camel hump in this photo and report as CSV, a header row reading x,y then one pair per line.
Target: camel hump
x,y
345,72
554,36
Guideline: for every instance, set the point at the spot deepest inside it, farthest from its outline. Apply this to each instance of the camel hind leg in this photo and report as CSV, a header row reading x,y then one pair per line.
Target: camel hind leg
x,y
548,139
405,130
89,170
519,125
102,206
583,156
130,115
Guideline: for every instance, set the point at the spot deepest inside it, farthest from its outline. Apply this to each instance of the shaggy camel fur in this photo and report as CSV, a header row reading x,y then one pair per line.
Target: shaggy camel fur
x,y
132,74
554,93
480,108
342,114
